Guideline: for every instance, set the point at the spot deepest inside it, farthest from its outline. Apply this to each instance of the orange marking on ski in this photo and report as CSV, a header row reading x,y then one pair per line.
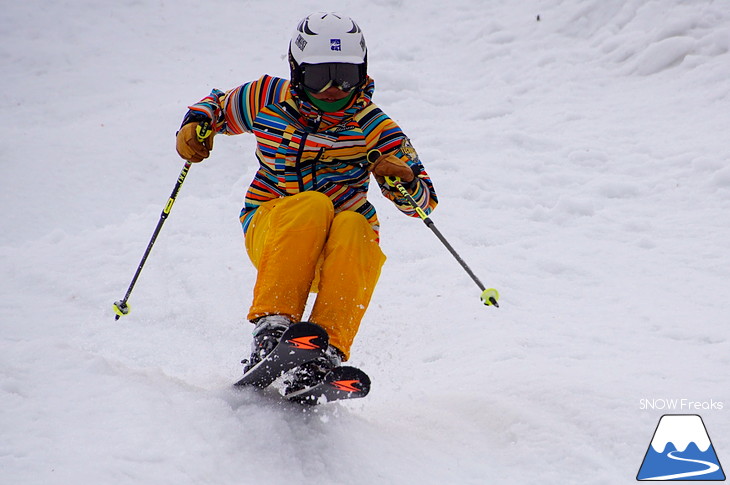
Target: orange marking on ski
x,y
347,386
304,342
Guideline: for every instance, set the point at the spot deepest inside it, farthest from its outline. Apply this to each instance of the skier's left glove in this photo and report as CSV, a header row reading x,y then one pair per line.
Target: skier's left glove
x,y
392,166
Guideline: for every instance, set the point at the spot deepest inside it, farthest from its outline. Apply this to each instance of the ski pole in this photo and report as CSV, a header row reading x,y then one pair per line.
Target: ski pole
x,y
489,296
120,306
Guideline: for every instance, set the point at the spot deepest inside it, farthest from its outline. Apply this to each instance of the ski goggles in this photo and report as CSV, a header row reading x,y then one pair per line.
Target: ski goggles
x,y
320,77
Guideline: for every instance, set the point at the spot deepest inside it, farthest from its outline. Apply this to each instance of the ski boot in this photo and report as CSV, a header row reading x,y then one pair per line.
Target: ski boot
x,y
312,373
266,335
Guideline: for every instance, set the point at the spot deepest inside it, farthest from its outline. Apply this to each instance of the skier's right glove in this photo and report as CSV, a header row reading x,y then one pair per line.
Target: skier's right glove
x,y
189,147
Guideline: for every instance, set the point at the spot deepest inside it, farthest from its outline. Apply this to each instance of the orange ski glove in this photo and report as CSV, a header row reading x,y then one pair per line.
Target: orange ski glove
x,y
391,166
189,147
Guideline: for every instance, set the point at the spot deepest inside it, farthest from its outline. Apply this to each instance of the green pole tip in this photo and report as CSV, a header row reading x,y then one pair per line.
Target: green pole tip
x,y
490,296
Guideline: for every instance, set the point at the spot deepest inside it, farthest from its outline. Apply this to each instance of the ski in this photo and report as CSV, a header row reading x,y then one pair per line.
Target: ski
x,y
343,382
302,342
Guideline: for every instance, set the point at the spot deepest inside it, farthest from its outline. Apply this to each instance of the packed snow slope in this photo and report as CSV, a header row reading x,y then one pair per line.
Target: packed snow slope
x,y
580,151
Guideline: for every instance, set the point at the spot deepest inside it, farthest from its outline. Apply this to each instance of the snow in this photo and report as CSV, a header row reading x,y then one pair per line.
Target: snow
x,y
582,166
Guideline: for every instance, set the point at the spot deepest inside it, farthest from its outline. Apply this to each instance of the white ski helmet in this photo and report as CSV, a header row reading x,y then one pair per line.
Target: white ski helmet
x,y
327,38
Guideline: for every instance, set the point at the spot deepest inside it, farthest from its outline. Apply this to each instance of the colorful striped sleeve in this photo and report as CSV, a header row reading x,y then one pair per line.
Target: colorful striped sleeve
x,y
234,111
421,189
385,135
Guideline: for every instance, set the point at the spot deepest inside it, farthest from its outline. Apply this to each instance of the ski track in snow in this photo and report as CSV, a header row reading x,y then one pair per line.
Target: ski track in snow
x,y
583,170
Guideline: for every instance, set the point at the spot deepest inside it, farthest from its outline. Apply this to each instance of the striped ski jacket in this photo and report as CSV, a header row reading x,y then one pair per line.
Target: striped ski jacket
x,y
300,148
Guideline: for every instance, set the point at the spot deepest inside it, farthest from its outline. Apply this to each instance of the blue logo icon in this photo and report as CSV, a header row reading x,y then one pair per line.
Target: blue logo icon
x,y
336,44
681,450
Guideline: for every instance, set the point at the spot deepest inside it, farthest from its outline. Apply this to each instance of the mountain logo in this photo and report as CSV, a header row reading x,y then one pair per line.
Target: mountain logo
x,y
681,450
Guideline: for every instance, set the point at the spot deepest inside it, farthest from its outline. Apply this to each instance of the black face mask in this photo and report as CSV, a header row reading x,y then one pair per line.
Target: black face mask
x,y
319,77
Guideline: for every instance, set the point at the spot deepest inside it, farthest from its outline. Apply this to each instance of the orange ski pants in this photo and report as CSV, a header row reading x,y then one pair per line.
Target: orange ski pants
x,y
298,244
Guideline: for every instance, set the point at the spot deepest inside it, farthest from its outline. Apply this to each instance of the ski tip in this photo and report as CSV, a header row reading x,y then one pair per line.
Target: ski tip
x,y
306,336
341,383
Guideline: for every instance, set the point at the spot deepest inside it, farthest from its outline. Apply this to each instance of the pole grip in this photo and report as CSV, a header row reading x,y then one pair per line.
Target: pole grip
x,y
203,130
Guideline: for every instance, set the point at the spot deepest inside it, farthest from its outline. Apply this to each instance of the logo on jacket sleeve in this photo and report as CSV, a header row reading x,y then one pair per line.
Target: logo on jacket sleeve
x,y
408,150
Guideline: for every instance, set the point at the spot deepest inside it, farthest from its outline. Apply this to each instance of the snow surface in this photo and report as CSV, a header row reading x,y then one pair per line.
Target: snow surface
x,y
582,163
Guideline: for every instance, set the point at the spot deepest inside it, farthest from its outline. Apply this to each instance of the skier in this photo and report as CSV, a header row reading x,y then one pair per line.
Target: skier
x,y
307,223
